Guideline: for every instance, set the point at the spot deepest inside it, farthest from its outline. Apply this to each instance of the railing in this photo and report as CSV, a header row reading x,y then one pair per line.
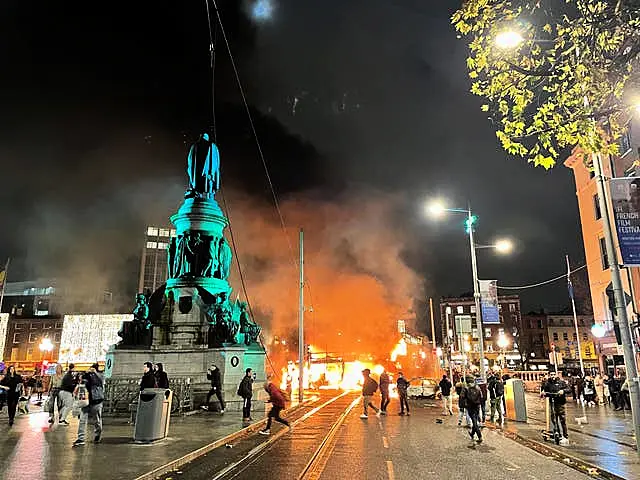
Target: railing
x,y
121,395
528,376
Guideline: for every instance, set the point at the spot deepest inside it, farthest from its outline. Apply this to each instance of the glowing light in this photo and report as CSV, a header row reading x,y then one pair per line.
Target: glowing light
x,y
46,345
438,353
436,208
598,330
400,350
508,39
504,246
502,341
262,10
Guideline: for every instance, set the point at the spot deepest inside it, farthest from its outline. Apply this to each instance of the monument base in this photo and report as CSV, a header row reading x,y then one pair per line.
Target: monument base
x,y
189,366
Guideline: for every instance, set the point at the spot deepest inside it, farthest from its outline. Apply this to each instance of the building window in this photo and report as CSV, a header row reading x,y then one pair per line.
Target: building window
x,y
487,333
587,351
152,244
58,326
460,309
16,338
472,309
585,337
512,307
173,232
14,354
501,319
29,354
555,336
540,324
164,232
501,331
474,332
596,207
18,326
56,337
603,254
47,326
152,231
499,307
33,337
565,336
162,246
541,337
33,326
592,173
575,337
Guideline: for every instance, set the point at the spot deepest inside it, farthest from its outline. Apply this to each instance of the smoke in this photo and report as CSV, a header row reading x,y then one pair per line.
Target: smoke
x,y
357,284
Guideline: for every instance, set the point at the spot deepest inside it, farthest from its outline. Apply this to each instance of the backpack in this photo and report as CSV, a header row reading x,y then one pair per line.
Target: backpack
x,y
474,395
97,392
82,396
498,388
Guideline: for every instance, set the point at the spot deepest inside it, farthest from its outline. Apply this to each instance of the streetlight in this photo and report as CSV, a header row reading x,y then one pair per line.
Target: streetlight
x,y
45,347
508,39
503,343
437,208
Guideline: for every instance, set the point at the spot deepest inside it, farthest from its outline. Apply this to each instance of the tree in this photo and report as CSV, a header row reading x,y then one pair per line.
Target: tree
x,y
555,75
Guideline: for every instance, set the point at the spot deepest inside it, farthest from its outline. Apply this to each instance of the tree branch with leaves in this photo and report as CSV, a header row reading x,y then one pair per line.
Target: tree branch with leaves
x,y
569,81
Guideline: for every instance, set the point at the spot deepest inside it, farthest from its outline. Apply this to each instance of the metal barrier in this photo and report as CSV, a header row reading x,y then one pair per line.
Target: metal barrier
x,y
121,395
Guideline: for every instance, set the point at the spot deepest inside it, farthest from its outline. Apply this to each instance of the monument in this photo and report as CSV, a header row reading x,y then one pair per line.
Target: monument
x,y
191,321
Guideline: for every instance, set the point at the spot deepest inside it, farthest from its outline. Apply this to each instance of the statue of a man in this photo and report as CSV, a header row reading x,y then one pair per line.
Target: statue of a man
x,y
212,265
171,257
203,168
224,258
179,260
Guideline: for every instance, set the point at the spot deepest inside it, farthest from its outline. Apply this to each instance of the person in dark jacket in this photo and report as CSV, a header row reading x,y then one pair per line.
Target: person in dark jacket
x,y
67,387
162,379
403,385
148,380
558,388
369,388
462,403
496,391
445,391
12,384
278,403
213,374
384,391
245,390
94,384
472,394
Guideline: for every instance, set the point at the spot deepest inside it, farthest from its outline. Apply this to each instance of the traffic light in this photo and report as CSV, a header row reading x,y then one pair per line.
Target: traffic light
x,y
470,223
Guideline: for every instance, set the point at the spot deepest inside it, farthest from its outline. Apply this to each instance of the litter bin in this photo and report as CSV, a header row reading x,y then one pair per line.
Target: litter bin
x,y
152,418
515,400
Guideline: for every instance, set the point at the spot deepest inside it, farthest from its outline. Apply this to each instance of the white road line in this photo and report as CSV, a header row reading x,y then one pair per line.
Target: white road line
x,y
511,464
390,473
385,442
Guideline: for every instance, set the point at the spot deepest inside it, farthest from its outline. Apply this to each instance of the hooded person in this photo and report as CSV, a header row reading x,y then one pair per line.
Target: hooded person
x,y
148,379
277,400
213,375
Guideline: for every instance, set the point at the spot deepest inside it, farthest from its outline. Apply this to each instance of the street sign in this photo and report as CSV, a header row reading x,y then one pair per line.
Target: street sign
x,y
489,301
625,197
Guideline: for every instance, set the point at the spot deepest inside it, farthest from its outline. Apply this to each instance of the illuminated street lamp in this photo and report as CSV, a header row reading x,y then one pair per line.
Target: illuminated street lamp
x,y
503,343
437,208
45,347
508,39
598,330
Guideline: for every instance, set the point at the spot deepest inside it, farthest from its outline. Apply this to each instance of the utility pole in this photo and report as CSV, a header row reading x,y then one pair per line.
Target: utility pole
x,y
476,296
618,295
433,335
575,316
301,323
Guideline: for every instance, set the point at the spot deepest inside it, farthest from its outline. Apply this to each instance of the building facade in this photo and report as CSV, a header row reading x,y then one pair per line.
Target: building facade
x,y
501,341
564,340
625,164
25,335
535,341
153,261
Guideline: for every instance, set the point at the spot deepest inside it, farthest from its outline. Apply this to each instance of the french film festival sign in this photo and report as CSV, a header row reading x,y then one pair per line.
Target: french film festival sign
x,y
625,196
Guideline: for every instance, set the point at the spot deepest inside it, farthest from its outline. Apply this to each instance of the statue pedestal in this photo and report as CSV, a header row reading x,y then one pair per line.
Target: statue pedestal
x,y
192,363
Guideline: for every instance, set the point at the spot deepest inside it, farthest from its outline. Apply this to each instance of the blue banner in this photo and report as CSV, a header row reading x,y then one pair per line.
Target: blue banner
x,y
489,301
625,196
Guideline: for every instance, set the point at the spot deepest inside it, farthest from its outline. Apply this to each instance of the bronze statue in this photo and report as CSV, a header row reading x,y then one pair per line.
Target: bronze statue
x,y
212,265
203,168
224,258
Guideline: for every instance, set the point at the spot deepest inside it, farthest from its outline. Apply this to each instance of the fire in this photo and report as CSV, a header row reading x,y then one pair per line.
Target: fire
x,y
400,350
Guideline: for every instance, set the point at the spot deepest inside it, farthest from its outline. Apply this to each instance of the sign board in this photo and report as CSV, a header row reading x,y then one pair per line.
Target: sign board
x,y
489,301
625,196
51,369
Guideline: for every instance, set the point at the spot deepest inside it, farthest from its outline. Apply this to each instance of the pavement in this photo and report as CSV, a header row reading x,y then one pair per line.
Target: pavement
x,y
33,449
606,441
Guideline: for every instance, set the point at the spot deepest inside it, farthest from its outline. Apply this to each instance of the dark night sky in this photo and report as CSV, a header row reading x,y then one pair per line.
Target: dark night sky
x,y
365,95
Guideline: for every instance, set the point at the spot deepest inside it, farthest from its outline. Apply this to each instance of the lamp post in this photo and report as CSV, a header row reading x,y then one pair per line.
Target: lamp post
x,y
503,343
45,347
437,209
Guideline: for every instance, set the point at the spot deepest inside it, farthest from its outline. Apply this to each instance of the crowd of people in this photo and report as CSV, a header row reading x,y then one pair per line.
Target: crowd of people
x,y
600,389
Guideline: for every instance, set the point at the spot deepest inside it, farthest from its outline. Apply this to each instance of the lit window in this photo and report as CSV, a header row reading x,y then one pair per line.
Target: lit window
x,y
56,337
472,309
16,338
29,354
162,246
585,337
33,337
152,244
18,326
33,326
460,309
173,232
587,351
58,325
501,331
152,231
555,336
487,333
47,326
164,232
512,307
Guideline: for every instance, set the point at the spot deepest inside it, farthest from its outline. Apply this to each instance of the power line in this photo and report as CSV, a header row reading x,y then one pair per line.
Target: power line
x,y
546,282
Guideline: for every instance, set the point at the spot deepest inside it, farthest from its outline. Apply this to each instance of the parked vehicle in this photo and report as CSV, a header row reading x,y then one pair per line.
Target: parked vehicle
x,y
422,388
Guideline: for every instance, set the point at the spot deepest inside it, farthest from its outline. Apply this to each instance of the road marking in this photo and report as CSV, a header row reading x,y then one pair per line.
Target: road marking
x,y
390,470
385,442
511,464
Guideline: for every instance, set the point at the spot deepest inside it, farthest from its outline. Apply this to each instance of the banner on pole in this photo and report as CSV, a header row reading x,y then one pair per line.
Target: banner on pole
x,y
489,301
625,196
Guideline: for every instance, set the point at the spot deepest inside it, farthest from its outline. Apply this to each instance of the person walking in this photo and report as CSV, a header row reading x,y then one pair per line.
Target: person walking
x,y
92,381
462,403
445,391
599,383
558,388
245,390
162,379
473,399
403,385
369,388
496,392
483,405
384,392
12,384
67,387
54,394
148,379
606,393
213,374
589,389
276,398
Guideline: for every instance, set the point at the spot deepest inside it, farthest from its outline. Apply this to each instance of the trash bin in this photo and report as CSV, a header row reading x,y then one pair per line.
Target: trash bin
x,y
152,418
515,400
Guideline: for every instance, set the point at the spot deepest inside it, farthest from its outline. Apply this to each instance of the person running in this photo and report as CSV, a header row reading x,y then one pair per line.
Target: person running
x,y
558,388
473,398
92,381
445,391
403,385
245,390
54,394
213,374
278,403
12,384
162,379
369,388
384,392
